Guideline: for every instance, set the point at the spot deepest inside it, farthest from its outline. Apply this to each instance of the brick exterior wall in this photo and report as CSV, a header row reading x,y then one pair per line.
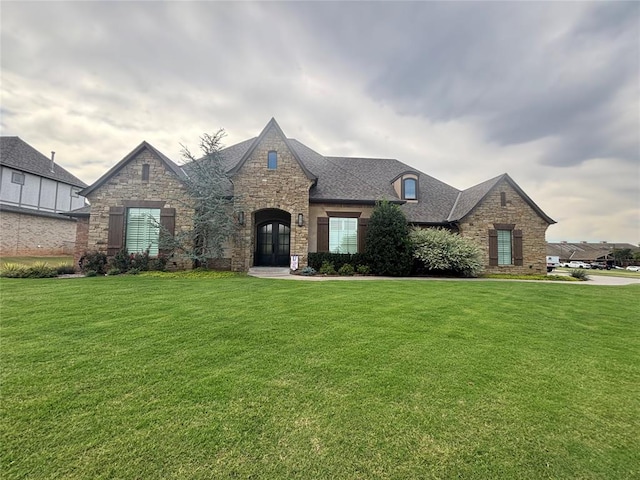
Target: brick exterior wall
x,y
24,234
285,188
82,239
127,185
477,224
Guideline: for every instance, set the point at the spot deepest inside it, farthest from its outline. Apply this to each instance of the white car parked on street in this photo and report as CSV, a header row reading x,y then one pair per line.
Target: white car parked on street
x,y
577,264
633,268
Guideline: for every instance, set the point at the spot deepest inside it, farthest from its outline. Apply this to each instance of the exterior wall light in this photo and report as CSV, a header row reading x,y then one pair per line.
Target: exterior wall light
x,y
241,218
300,220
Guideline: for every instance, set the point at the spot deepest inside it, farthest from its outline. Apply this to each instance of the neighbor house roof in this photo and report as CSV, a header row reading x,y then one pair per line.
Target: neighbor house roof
x,y
19,155
586,250
33,212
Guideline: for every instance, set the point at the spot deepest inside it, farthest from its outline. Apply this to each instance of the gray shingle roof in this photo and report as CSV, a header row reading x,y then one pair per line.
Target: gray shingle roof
x,y
19,155
33,212
355,180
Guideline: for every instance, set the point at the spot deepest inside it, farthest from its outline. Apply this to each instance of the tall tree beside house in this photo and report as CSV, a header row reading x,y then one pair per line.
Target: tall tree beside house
x,y
209,187
387,246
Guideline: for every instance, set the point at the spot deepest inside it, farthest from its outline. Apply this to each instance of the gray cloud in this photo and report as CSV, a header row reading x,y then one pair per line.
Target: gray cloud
x,y
461,90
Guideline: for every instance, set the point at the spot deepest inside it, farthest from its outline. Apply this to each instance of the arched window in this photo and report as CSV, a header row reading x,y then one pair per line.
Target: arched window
x,y
410,189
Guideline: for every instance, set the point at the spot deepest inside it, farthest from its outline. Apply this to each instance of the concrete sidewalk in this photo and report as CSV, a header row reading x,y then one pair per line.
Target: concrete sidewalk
x,y
283,273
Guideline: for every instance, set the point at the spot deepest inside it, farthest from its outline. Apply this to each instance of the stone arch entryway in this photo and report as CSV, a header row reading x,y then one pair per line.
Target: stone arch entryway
x,y
273,238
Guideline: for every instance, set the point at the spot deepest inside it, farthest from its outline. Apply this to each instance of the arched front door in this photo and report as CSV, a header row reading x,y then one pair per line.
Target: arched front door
x,y
273,244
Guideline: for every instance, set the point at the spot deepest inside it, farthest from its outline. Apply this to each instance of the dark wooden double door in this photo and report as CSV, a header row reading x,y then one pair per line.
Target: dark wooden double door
x,y
273,242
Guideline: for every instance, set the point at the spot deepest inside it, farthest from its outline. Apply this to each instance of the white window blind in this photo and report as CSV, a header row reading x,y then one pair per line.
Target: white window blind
x,y
143,230
343,235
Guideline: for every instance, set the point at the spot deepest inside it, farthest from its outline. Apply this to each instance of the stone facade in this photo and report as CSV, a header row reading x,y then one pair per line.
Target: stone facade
x,y
126,186
32,234
516,211
284,188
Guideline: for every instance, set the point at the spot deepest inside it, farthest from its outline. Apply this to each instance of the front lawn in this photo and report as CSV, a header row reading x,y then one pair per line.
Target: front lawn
x,y
144,377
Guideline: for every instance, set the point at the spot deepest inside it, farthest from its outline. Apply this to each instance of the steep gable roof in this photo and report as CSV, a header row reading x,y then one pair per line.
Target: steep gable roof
x,y
272,124
171,166
19,155
470,198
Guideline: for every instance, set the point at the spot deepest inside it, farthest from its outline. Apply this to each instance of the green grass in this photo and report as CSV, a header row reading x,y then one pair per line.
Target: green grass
x,y
144,377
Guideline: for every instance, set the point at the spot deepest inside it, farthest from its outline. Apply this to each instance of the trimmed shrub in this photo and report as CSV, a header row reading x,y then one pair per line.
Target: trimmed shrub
x,y
95,261
346,270
91,273
363,270
134,271
65,269
316,259
327,268
388,248
308,271
114,271
442,252
159,263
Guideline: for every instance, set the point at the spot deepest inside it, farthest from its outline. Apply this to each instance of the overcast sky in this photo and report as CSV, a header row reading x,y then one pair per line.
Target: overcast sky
x,y
464,91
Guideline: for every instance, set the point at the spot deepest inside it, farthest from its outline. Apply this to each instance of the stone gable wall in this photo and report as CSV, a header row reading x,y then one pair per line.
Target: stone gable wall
x,y
517,211
256,188
127,185
24,234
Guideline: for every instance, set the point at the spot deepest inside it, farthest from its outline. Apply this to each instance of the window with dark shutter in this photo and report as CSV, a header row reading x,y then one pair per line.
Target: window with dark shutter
x,y
517,248
493,248
363,224
116,230
323,234
167,227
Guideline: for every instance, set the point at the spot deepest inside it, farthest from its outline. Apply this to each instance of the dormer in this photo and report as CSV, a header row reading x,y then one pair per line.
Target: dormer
x,y
406,186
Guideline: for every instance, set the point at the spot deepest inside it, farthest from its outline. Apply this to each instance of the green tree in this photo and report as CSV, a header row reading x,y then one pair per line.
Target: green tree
x,y
209,189
387,244
622,255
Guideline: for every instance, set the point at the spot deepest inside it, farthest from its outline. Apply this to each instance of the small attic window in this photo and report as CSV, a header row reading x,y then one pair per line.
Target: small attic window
x,y
410,189
503,199
272,160
145,172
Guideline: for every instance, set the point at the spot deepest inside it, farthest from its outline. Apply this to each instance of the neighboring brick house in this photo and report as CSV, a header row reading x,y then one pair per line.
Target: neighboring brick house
x,y
291,200
34,191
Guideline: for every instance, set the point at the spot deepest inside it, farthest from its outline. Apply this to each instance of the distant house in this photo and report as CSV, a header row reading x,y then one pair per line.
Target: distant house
x,y
292,200
34,191
587,251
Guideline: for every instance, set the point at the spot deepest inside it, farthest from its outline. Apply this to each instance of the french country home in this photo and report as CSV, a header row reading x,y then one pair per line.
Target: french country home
x,y
291,200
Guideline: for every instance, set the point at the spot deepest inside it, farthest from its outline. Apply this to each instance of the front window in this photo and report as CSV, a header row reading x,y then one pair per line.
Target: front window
x,y
409,188
504,247
143,230
343,235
